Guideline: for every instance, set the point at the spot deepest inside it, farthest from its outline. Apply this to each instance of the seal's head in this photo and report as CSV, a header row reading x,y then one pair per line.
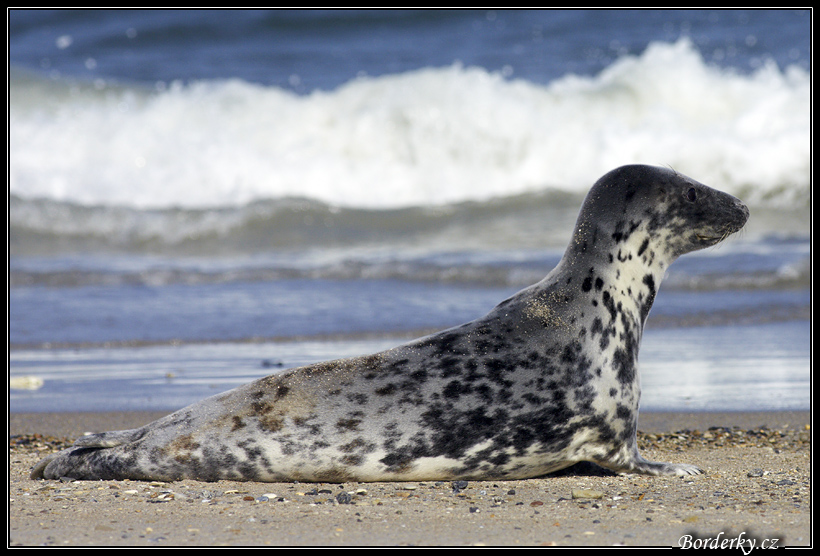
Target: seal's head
x,y
658,208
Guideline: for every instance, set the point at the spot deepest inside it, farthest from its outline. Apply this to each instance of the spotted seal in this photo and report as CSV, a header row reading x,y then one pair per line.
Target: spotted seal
x,y
547,378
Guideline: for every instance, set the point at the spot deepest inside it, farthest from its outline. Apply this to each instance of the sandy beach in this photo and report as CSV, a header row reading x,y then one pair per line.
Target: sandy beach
x,y
756,487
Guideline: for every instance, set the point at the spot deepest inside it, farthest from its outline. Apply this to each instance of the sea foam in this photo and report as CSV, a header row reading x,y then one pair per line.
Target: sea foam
x,y
429,137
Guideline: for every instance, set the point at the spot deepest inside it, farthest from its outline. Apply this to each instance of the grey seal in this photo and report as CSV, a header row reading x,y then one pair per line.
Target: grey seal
x,y
546,379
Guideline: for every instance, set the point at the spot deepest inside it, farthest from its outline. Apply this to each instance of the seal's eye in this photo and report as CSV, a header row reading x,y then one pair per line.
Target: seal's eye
x,y
692,195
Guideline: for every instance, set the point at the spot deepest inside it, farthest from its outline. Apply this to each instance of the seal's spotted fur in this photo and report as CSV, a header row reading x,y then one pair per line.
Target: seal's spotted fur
x,y
547,378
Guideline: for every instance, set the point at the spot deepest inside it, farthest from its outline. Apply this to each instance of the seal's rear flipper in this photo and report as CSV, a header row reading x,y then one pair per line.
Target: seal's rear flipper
x,y
109,439
39,470
88,457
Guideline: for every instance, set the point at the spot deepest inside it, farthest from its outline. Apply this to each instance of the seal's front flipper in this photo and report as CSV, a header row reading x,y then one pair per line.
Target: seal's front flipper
x,y
635,463
647,467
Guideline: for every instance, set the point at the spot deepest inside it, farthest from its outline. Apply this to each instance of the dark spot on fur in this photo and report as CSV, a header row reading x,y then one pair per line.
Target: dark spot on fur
x,y
597,326
643,246
352,460
649,282
348,424
622,233
419,376
357,398
622,412
454,389
532,399
609,303
261,408
484,392
624,362
386,390
496,371
185,442
584,397
270,423
357,445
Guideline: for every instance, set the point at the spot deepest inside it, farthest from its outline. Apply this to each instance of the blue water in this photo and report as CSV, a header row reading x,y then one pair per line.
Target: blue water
x,y
194,194
304,50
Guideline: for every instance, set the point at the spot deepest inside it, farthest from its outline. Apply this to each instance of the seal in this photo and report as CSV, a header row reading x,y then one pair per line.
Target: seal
x,y
546,379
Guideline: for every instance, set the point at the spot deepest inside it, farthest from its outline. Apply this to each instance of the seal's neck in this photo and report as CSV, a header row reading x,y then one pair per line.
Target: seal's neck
x,y
628,267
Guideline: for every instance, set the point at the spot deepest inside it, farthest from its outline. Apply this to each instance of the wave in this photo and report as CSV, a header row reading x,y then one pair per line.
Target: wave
x,y
46,227
789,276
428,138
512,242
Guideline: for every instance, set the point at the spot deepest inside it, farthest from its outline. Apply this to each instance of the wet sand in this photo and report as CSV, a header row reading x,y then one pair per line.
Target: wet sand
x,y
756,487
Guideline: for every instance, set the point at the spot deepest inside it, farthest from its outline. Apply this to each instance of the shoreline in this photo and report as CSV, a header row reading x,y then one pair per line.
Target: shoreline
x,y
756,485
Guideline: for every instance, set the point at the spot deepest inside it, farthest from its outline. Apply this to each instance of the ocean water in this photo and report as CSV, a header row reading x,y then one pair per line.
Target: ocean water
x,y
200,198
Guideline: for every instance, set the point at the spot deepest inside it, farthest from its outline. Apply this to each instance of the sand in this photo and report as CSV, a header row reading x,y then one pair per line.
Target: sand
x,y
756,487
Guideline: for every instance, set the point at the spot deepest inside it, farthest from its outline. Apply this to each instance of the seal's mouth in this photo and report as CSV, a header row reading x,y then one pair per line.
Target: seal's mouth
x,y
712,240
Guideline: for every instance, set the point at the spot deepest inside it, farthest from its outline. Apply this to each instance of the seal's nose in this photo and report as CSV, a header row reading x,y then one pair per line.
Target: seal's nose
x,y
744,211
